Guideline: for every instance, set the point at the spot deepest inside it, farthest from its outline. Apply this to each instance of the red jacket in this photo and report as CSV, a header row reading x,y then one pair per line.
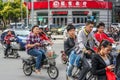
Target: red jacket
x,y
99,37
44,37
7,38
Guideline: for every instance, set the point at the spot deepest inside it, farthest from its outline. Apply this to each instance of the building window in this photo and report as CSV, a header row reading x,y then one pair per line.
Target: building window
x,y
42,18
60,17
79,16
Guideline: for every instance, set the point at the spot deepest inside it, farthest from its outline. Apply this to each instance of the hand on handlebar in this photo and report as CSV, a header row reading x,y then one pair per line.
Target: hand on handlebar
x,y
117,43
88,52
37,44
51,43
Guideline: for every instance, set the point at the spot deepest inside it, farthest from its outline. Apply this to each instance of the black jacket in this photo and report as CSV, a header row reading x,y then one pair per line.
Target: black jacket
x,y
68,45
98,66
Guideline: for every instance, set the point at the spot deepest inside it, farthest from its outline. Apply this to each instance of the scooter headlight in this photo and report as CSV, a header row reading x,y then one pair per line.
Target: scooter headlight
x,y
24,41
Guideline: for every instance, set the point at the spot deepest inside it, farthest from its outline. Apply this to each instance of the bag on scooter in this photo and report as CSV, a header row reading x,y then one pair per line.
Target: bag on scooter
x,y
15,45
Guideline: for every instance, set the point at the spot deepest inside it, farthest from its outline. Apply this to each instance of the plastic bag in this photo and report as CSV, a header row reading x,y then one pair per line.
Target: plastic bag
x,y
110,75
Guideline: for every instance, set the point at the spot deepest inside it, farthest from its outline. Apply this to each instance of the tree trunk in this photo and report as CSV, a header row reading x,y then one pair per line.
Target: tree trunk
x,y
4,22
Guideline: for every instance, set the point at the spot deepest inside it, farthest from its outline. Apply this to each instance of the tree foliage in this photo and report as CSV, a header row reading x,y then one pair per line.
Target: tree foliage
x,y
11,11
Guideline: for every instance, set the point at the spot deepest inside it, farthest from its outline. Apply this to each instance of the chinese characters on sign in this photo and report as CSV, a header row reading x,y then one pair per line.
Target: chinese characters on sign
x,y
69,4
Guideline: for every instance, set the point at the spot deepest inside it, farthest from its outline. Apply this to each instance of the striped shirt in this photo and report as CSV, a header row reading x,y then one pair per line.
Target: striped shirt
x,y
32,39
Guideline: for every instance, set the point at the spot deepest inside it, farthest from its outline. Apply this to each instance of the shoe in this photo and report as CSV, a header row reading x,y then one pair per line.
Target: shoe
x,y
70,78
5,56
37,71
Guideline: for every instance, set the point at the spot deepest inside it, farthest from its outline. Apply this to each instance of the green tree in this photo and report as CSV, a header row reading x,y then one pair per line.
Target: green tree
x,y
11,11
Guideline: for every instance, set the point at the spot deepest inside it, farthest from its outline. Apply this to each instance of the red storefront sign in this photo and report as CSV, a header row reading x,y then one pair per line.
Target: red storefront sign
x,y
72,4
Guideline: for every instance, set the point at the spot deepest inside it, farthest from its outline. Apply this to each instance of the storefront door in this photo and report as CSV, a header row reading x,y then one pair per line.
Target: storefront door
x,y
79,19
60,20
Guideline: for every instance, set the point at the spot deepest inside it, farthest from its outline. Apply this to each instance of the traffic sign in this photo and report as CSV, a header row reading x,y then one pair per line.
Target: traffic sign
x,y
40,18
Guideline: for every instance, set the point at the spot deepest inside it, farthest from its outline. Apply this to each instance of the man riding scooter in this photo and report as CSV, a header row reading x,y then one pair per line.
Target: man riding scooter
x,y
85,38
7,42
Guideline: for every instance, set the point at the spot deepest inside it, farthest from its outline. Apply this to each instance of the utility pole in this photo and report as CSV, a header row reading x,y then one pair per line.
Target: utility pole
x,y
108,14
48,14
27,12
32,12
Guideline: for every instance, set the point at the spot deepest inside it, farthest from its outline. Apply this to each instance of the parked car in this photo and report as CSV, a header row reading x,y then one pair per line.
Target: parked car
x,y
54,28
45,28
79,26
21,36
61,30
16,25
115,25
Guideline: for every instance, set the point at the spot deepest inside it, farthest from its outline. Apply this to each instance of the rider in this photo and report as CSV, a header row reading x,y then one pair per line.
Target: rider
x,y
7,41
69,49
65,33
69,43
85,38
33,47
100,35
44,37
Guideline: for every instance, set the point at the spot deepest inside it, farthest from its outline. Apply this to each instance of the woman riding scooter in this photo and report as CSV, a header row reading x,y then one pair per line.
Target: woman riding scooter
x,y
45,38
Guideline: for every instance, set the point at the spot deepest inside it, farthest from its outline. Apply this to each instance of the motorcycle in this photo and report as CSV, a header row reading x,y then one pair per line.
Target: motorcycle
x,y
49,62
64,57
14,47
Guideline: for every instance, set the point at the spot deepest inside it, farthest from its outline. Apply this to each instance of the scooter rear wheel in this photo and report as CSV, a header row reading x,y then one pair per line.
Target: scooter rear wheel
x,y
27,69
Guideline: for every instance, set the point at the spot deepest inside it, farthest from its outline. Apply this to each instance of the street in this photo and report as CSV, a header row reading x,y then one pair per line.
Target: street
x,y
11,69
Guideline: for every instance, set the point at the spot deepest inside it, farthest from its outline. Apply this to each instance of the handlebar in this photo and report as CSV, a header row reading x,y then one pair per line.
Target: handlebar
x,y
88,48
12,39
45,44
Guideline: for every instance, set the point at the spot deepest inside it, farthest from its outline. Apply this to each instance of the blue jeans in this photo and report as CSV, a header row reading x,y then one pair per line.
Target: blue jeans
x,y
6,49
74,60
37,53
118,78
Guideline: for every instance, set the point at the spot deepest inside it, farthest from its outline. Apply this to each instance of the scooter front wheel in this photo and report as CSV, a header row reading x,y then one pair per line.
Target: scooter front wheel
x,y
64,59
16,55
53,72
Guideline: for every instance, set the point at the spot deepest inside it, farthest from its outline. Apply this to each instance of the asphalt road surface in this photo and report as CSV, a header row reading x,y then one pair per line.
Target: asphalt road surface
x,y
11,69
